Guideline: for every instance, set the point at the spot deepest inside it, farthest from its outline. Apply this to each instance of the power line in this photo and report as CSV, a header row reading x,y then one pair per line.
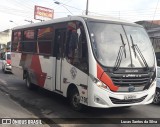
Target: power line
x,y
129,12
28,12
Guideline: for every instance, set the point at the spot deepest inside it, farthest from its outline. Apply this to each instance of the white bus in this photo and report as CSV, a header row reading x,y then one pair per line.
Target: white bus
x,y
94,61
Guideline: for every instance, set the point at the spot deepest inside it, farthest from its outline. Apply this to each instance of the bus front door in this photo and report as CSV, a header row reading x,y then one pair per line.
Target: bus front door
x,y
59,49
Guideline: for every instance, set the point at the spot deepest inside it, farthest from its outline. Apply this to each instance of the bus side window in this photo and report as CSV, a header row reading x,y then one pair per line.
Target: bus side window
x,y
44,40
71,44
60,35
76,46
82,43
16,43
29,41
82,48
58,45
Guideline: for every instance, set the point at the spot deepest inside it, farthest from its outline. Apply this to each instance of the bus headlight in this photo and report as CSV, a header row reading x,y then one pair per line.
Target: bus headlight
x,y
102,85
99,83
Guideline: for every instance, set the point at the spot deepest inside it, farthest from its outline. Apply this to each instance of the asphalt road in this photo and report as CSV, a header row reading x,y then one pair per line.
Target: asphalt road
x,y
45,104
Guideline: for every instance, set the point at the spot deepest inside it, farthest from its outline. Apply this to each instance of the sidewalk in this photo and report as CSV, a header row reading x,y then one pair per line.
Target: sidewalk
x,y
10,109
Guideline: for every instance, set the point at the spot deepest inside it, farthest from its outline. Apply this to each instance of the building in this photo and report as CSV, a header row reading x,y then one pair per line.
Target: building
x,y
5,39
5,36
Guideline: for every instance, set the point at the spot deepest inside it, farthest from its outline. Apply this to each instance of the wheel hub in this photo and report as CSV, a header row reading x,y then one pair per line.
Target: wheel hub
x,y
76,100
157,97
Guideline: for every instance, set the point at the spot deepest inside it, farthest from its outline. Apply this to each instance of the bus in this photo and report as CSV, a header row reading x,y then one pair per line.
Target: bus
x,y
93,61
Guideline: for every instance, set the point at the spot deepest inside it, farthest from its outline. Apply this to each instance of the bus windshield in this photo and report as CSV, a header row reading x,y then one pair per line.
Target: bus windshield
x,y
109,40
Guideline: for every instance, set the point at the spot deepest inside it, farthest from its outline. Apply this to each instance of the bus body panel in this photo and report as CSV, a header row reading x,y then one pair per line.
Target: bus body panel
x,y
43,72
48,67
16,68
72,75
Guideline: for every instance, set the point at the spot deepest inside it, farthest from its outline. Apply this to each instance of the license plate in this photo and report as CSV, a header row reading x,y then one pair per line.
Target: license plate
x,y
129,97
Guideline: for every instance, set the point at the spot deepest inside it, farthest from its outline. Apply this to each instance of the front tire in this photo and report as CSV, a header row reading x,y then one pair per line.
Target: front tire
x,y
156,99
75,100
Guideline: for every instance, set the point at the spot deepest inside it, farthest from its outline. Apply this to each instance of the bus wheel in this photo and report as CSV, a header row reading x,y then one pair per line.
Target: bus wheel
x,y
28,82
75,100
156,99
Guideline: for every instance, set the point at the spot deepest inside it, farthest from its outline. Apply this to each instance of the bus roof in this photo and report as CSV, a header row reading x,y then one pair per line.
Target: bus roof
x,y
84,17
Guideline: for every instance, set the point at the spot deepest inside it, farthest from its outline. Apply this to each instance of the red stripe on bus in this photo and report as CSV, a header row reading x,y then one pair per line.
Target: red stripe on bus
x,y
36,67
102,76
99,71
108,81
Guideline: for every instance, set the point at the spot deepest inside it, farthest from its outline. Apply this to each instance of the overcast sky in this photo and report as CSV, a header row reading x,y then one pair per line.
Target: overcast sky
x,y
131,10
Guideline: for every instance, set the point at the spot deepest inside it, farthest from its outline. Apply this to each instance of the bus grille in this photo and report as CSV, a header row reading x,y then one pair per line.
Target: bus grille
x,y
122,81
118,101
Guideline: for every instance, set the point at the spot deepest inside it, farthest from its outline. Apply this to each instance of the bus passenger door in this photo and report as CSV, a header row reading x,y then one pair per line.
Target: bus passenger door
x,y
59,49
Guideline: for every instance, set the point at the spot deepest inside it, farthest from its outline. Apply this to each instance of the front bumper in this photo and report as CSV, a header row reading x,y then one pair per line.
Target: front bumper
x,y
106,98
8,68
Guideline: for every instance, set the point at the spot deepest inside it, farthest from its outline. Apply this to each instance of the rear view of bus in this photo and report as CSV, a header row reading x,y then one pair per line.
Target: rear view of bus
x,y
125,64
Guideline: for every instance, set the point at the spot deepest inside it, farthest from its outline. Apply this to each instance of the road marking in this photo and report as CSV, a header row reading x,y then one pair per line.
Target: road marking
x,y
3,81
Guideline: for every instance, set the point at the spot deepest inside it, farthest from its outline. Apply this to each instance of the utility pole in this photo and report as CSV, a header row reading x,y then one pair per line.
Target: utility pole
x,y
87,8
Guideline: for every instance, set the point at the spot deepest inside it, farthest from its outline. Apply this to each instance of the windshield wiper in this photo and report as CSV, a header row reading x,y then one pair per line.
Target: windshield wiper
x,y
124,50
135,47
120,54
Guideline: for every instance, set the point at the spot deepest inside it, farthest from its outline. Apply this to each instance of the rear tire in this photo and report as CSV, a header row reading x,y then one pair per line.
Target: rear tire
x,y
156,99
74,99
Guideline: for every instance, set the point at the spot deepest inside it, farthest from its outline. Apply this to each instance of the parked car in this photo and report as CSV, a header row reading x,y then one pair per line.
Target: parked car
x,y
6,62
156,99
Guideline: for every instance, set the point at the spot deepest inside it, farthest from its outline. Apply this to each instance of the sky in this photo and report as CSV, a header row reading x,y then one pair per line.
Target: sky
x,y
15,12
